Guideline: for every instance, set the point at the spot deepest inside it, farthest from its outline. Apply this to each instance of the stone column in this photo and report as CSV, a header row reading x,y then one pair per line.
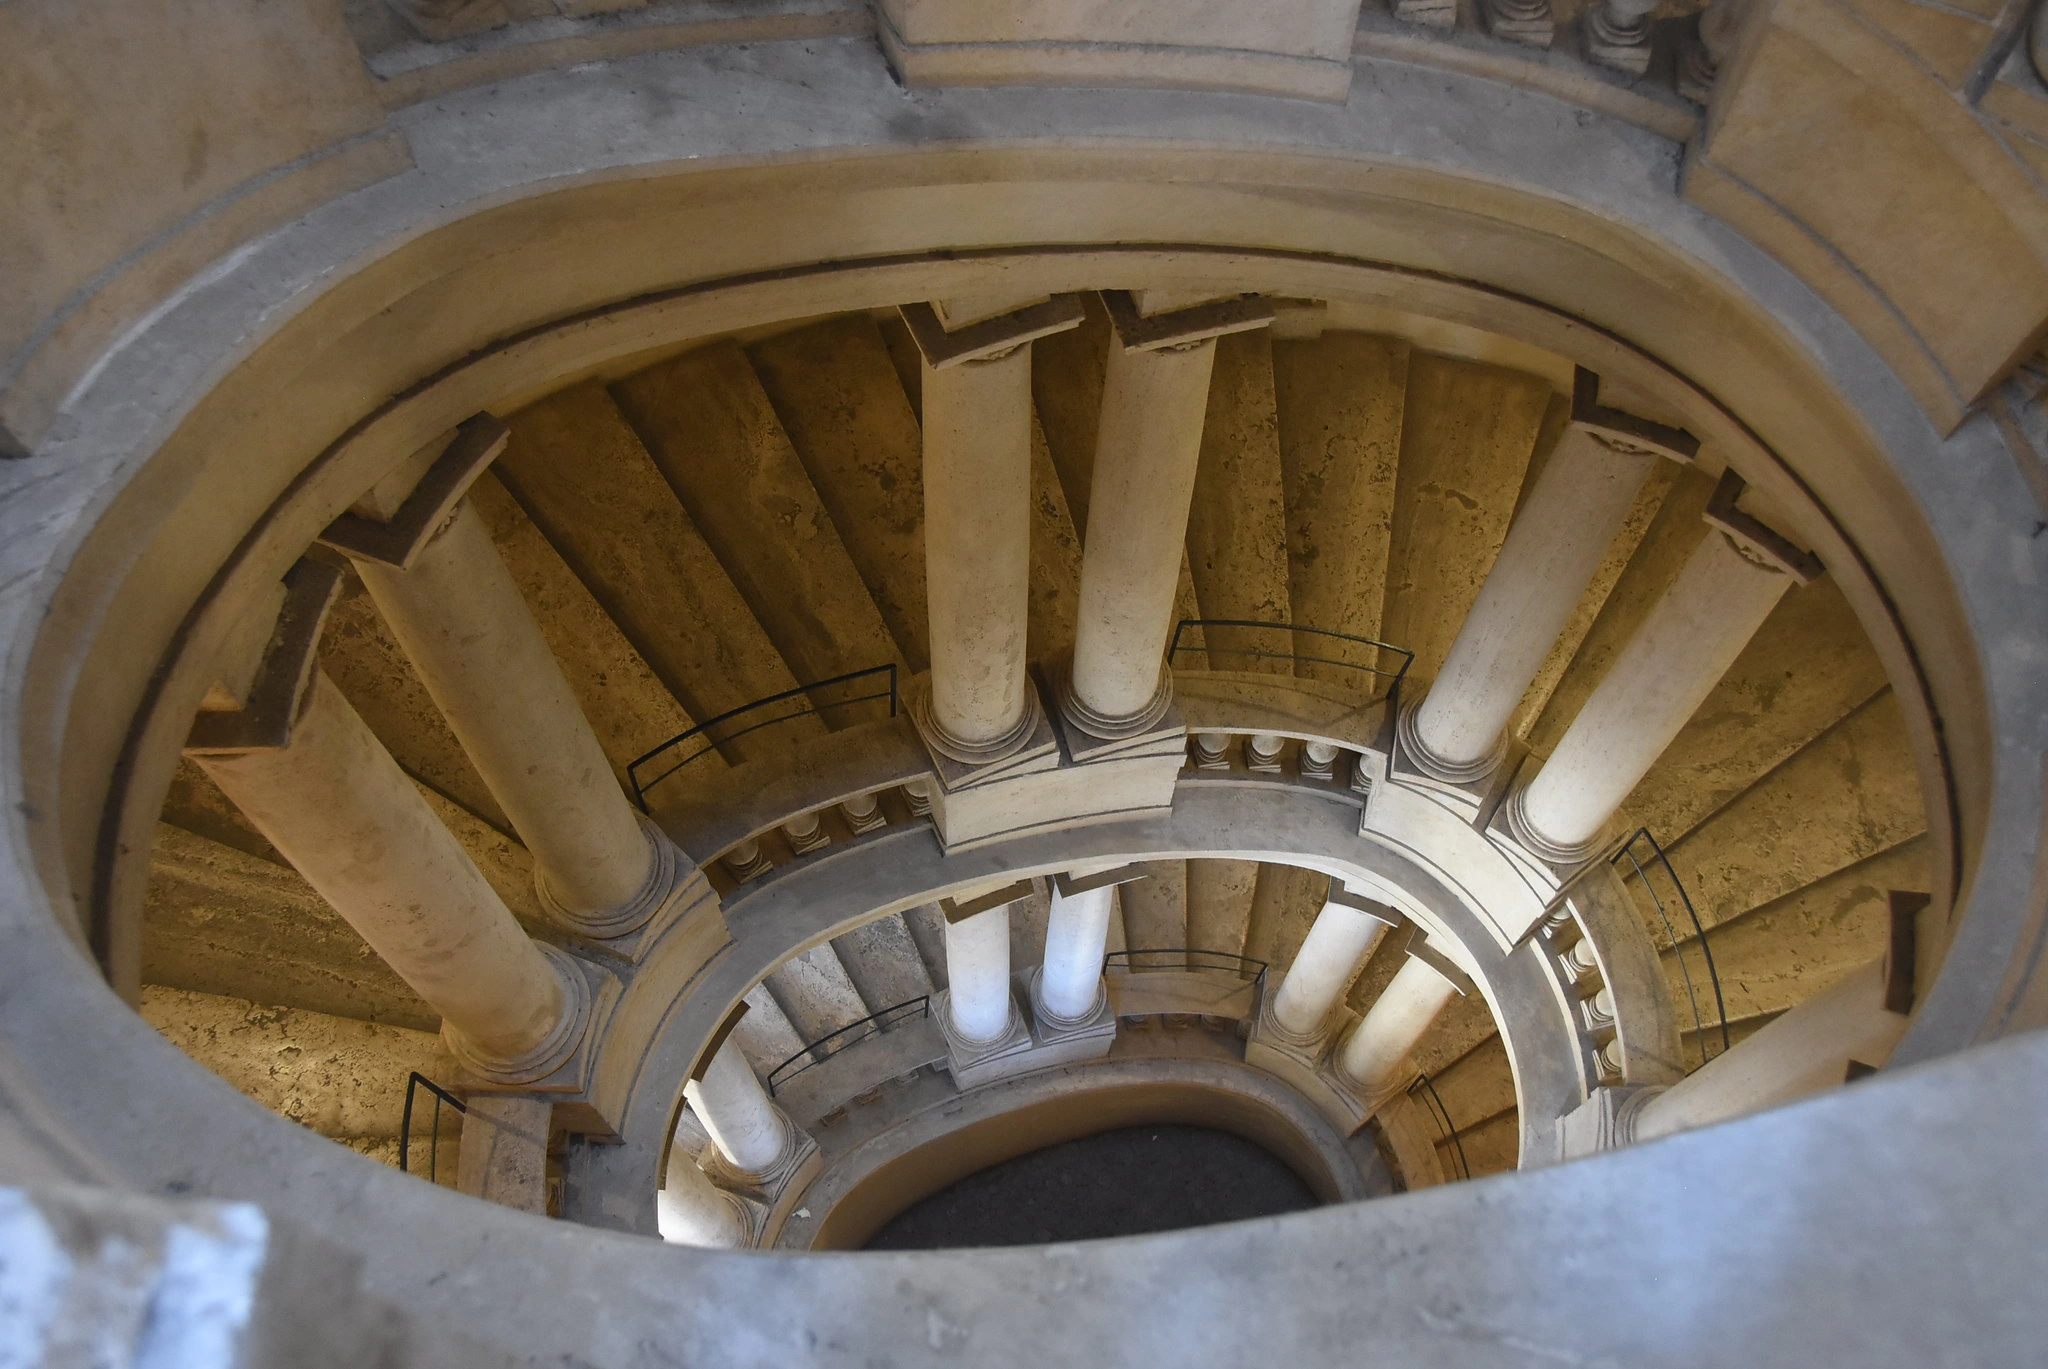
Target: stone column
x,y
1459,730
691,1210
753,1134
1147,444
335,804
1683,648
978,1003
978,705
1344,934
1068,987
1375,1056
455,609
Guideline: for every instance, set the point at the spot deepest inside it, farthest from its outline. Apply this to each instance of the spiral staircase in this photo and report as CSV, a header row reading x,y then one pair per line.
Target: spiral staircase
x,y
689,621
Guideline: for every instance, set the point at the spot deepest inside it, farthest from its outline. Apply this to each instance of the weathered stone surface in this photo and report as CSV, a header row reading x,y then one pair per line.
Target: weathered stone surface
x,y
1156,908
1055,560
927,927
1466,439
1285,902
1806,668
196,804
629,708
1492,1147
1464,1024
707,423
882,961
580,473
1849,794
505,864
1237,528
361,656
816,994
1027,927
843,404
1340,400
1067,376
1672,535
1478,1086
766,1035
339,1076
220,921
1220,903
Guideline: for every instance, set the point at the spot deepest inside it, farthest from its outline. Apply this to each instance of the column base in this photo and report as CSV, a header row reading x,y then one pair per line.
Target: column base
x,y
978,1062
1097,736
1421,756
583,985
673,890
1605,1121
1304,1063
1515,818
768,1196
1029,745
1061,1041
1623,47
1474,799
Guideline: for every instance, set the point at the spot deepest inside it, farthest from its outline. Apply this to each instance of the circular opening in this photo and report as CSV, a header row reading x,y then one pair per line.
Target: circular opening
x,y
1114,1183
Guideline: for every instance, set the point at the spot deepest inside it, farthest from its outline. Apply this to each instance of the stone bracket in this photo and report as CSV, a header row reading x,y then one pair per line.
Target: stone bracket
x,y
1625,430
1754,533
717,1041
1182,327
988,338
1359,903
959,910
1070,885
265,721
1417,947
399,541
979,1062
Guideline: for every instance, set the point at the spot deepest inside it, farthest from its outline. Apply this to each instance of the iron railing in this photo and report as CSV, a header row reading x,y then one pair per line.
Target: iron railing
x,y
1378,649
1441,1115
1658,860
1185,958
413,1084
830,1044
803,701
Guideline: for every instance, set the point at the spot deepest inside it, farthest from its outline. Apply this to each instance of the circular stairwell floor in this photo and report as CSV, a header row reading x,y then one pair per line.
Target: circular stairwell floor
x,y
1115,1183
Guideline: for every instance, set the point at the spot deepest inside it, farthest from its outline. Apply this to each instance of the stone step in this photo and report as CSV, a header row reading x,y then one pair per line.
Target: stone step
x,y
883,962
1220,896
1339,400
927,928
1155,909
627,705
580,473
220,921
816,993
766,1035
1285,902
842,402
709,426
1467,435
1237,527
1055,601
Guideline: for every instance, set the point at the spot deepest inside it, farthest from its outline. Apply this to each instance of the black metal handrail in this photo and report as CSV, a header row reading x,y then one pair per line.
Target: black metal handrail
x,y
1243,966
413,1084
1657,857
830,1044
1441,1115
802,695
1393,690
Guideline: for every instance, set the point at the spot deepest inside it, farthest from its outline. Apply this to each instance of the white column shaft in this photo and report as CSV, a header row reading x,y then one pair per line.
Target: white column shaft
x,y
1076,935
977,536
1558,539
1147,445
691,1210
1376,1053
744,1122
469,633
1337,945
340,810
1662,676
978,974
1801,1052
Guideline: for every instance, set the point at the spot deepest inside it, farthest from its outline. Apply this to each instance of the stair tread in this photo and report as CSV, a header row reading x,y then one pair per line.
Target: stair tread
x,y
766,1036
218,920
1156,908
1339,400
927,928
1467,436
1285,902
1220,903
1237,525
711,430
883,963
629,709
1067,372
1055,582
847,411
1028,918
816,994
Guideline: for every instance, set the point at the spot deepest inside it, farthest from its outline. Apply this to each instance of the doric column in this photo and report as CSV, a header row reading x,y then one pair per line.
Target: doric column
x,y
691,1210
1345,932
313,779
1147,443
1374,1057
755,1136
600,869
978,1004
1459,730
1068,987
1686,644
978,705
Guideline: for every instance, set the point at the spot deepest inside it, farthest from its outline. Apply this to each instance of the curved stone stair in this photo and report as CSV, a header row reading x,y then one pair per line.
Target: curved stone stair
x,y
730,522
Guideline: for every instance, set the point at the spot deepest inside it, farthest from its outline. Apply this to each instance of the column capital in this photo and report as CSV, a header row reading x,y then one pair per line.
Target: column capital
x,y
986,339
396,538
1137,331
959,910
1752,535
277,688
1623,431
1417,947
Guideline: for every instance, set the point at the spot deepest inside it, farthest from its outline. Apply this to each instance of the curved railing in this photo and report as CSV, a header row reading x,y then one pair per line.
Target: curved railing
x,y
1184,958
803,702
1447,1130
1234,630
413,1084
825,1047
1643,865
